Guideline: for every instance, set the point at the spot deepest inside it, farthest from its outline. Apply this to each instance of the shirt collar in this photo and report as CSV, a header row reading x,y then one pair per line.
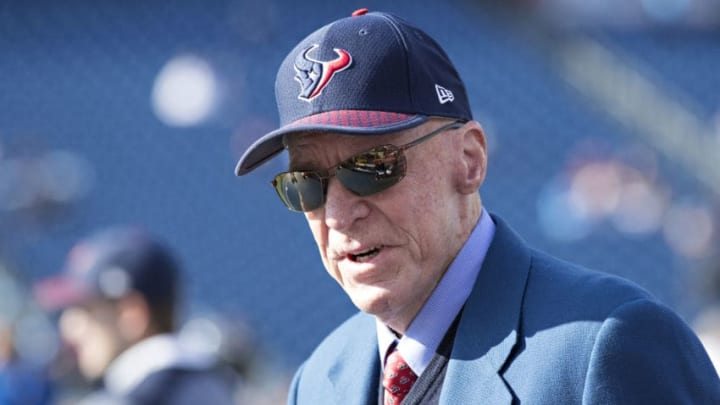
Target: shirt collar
x,y
427,330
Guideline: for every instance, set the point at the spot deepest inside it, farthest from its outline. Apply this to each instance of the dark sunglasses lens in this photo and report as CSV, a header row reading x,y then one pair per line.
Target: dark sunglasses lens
x,y
373,171
300,191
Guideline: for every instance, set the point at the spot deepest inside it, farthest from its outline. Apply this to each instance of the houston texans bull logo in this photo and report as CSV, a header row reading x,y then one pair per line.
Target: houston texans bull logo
x,y
314,74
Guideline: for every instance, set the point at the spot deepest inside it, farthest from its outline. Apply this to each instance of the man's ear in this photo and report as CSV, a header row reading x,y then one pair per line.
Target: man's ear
x,y
473,160
134,320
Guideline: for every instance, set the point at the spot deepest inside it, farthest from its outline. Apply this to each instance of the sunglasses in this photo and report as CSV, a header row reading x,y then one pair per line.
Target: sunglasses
x,y
364,174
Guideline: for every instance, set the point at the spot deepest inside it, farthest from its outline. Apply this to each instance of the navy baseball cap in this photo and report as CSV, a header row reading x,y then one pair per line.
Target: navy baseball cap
x,y
111,264
371,73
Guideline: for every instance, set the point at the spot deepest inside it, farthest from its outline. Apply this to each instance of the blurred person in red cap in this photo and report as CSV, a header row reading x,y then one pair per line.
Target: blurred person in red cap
x,y
118,296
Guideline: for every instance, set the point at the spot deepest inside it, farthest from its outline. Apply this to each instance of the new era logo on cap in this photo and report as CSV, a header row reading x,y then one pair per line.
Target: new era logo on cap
x,y
444,95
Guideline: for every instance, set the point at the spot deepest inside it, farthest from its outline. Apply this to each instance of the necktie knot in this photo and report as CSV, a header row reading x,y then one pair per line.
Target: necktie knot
x,y
398,378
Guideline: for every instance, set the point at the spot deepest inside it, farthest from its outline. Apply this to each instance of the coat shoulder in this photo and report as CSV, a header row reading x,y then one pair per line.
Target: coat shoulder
x,y
567,288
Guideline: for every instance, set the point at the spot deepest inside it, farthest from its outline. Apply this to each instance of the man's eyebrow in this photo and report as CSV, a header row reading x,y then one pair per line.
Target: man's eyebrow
x,y
299,160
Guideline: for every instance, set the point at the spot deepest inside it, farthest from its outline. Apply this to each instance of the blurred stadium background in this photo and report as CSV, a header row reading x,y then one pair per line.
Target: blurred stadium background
x,y
603,120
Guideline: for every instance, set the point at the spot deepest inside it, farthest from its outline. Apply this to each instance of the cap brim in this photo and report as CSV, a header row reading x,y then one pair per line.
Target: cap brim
x,y
60,292
350,122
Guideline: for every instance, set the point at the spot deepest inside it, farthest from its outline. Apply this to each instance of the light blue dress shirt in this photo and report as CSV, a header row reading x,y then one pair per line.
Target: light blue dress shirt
x,y
427,330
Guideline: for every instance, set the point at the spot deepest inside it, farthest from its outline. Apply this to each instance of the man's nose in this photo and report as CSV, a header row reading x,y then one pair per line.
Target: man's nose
x,y
342,206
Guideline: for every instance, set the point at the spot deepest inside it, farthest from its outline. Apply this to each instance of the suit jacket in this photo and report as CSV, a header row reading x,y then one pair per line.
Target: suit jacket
x,y
534,330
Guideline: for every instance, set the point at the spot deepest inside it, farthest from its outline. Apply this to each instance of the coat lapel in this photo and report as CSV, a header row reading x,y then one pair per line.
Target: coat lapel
x,y
352,383
488,328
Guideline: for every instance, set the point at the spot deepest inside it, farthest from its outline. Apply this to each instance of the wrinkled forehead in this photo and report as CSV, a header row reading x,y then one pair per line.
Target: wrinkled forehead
x,y
323,149
300,140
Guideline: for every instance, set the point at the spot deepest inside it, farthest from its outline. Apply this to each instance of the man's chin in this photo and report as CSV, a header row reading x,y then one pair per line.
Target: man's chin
x,y
377,304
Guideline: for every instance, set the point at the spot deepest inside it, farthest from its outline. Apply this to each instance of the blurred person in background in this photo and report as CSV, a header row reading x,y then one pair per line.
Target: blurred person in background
x,y
119,295
386,163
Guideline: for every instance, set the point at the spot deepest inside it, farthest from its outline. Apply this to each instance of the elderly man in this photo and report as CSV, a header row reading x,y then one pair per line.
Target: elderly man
x,y
385,163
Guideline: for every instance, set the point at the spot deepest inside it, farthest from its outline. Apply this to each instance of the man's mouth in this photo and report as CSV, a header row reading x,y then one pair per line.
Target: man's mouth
x,y
364,256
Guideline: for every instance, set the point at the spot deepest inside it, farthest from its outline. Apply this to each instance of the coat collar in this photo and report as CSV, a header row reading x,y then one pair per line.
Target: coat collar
x,y
488,328
353,384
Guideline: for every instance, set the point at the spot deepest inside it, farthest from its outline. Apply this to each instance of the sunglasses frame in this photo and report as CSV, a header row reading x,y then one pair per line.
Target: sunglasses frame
x,y
323,176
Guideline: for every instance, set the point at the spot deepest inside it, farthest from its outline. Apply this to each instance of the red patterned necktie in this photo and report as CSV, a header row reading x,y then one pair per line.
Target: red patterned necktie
x,y
398,378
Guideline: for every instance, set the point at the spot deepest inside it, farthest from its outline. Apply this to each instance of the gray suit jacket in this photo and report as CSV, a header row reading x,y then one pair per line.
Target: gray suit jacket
x,y
535,330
